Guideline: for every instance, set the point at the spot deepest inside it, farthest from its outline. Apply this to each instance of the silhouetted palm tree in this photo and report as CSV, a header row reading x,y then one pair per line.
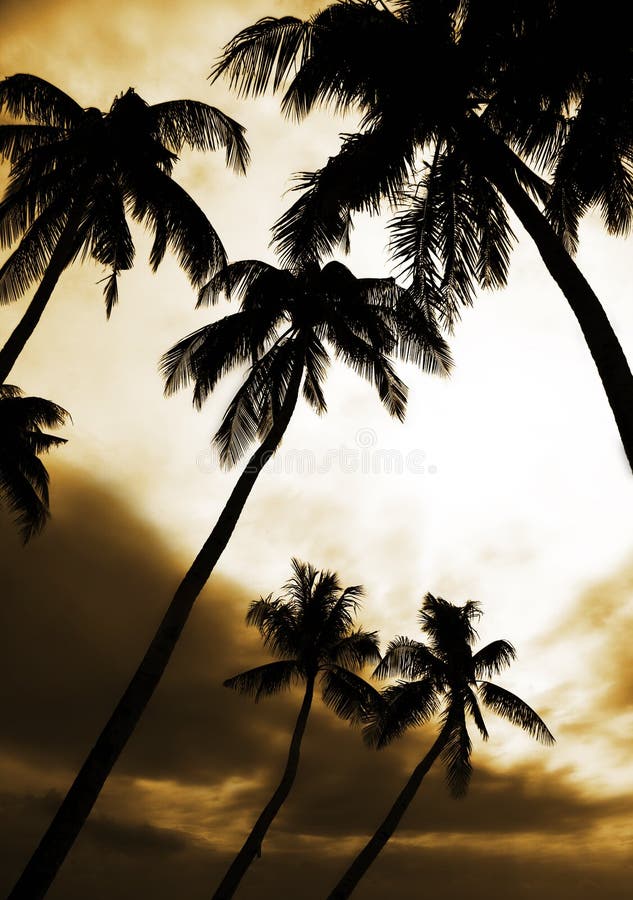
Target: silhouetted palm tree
x,y
23,478
311,628
281,329
445,676
440,76
77,173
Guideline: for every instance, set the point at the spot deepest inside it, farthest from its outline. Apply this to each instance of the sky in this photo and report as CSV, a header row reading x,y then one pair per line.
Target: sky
x,y
506,484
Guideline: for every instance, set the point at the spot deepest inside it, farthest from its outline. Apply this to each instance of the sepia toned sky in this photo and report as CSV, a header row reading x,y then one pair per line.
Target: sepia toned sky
x,y
506,484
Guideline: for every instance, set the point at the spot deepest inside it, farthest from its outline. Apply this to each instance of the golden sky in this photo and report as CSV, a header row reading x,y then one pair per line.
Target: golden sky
x,y
507,485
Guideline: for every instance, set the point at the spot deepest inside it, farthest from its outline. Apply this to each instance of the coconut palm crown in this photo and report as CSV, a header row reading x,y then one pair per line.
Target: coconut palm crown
x,y
77,174
23,477
445,676
287,317
310,626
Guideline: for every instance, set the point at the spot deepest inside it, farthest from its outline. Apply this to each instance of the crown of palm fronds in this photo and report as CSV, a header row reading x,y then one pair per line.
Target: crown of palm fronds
x,y
445,675
114,164
310,625
23,477
291,320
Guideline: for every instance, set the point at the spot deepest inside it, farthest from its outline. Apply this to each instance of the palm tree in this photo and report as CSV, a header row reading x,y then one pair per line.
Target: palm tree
x,y
281,329
441,677
23,478
310,627
77,173
472,112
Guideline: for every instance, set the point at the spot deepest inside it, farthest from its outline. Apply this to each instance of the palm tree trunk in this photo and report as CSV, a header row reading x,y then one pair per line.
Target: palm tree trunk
x,y
60,258
252,845
391,821
76,806
613,368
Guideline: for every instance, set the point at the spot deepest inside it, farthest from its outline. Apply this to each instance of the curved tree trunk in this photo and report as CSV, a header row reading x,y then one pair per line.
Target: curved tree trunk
x,y
76,806
494,159
61,256
253,844
391,821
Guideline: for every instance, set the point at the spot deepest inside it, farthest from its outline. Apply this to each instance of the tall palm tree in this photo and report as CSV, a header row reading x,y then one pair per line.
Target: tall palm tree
x,y
444,676
281,329
23,478
77,173
446,78
310,627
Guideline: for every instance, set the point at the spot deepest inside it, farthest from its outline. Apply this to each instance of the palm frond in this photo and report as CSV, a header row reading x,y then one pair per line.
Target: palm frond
x,y
370,167
471,706
266,680
37,100
249,280
347,694
263,54
407,658
25,496
371,364
16,140
317,362
107,235
251,412
190,123
456,752
349,61
28,262
277,623
209,353
413,245
29,413
493,658
495,236
510,707
355,650
419,339
26,198
299,588
404,705
23,477
160,203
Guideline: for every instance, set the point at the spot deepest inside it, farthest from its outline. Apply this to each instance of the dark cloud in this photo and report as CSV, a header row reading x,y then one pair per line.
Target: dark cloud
x,y
79,605
102,870
106,833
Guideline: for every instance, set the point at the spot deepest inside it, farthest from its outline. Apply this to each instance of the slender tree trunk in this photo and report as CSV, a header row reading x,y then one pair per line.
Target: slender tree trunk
x,y
614,371
61,256
391,821
76,806
252,845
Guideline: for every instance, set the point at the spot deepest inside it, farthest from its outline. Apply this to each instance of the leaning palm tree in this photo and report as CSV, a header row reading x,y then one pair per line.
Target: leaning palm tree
x,y
282,328
77,173
310,627
444,676
23,477
447,79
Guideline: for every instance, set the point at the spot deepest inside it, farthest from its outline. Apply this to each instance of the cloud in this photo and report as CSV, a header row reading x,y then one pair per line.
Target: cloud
x,y
79,606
